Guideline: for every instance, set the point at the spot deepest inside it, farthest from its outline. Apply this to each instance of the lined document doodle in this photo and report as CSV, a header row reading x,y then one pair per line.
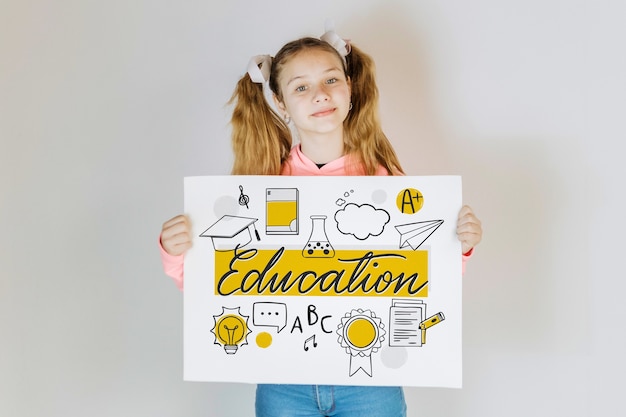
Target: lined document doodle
x,y
405,317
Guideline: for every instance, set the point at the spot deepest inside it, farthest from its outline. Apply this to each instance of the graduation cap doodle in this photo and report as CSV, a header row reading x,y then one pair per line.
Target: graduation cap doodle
x,y
231,232
414,234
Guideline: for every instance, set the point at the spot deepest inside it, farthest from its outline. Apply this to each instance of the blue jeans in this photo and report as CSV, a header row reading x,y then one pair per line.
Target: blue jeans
x,y
329,400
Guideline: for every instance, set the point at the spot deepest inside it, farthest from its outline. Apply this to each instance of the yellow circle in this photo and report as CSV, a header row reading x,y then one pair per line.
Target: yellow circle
x,y
263,340
361,333
409,201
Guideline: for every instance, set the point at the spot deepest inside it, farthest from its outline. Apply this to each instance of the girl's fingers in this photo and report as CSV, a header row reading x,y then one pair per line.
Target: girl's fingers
x,y
175,235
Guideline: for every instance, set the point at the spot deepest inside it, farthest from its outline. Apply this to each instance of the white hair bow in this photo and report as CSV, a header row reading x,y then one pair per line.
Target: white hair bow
x,y
259,69
330,36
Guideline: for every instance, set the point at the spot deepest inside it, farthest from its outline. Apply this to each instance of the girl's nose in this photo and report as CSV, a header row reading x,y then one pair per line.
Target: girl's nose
x,y
321,94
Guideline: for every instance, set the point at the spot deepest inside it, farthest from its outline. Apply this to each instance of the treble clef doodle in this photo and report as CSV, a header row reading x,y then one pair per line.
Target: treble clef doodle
x,y
243,198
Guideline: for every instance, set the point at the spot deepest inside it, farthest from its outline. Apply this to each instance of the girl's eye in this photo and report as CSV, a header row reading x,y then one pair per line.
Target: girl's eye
x,y
300,88
331,81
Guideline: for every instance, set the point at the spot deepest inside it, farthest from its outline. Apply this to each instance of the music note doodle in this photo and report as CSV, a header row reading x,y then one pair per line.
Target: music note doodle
x,y
243,198
312,338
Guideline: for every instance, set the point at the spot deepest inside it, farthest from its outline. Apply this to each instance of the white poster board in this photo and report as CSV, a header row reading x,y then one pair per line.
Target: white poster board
x,y
323,280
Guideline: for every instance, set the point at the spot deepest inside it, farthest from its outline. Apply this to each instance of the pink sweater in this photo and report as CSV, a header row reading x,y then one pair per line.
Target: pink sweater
x,y
299,164
296,164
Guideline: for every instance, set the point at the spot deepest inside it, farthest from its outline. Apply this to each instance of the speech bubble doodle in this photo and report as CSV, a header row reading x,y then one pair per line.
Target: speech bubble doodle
x,y
268,314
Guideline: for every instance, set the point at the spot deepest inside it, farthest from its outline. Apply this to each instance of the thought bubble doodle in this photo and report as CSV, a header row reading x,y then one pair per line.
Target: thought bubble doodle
x,y
340,201
270,315
361,221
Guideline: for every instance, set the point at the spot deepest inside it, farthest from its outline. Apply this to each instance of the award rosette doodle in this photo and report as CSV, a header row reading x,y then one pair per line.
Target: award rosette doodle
x,y
361,333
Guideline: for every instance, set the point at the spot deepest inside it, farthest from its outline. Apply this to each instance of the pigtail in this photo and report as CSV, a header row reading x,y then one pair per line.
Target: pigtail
x,y
363,135
260,140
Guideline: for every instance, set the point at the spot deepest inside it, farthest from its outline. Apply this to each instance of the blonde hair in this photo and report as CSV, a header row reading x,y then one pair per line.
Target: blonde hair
x,y
261,140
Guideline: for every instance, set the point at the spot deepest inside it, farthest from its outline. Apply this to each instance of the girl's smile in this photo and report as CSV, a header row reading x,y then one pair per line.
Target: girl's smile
x,y
324,113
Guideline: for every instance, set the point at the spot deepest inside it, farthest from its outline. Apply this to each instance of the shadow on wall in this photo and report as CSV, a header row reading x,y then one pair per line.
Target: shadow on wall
x,y
528,283
525,290
525,295
522,278
394,39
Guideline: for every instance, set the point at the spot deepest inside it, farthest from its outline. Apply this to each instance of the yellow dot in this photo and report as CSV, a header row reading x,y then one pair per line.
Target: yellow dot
x,y
409,201
361,333
263,340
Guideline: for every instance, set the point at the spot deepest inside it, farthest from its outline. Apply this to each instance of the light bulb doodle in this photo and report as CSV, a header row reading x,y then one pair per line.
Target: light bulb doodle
x,y
231,329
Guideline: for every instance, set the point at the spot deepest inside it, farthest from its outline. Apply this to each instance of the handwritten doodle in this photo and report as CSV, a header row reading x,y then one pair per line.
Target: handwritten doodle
x,y
429,322
230,329
318,245
281,211
410,201
270,314
405,316
414,234
231,232
340,201
361,221
279,273
243,198
312,319
361,334
306,343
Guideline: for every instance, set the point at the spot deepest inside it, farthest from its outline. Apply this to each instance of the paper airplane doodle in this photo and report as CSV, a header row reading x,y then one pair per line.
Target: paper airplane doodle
x,y
414,234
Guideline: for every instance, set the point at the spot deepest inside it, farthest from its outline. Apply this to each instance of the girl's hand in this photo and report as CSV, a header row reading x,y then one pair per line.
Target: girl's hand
x,y
468,229
176,235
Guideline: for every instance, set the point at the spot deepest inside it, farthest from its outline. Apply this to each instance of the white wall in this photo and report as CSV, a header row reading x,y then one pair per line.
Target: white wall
x,y
105,106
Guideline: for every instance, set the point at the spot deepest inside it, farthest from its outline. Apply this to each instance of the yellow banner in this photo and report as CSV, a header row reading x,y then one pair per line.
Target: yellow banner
x,y
374,273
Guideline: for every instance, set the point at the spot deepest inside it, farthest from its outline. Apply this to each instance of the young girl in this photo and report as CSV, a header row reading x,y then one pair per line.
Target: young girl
x,y
327,89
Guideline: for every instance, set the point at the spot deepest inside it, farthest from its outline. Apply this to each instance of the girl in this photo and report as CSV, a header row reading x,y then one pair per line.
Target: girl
x,y
327,89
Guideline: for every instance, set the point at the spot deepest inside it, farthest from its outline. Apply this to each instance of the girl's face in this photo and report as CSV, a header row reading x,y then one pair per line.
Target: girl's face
x,y
316,93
